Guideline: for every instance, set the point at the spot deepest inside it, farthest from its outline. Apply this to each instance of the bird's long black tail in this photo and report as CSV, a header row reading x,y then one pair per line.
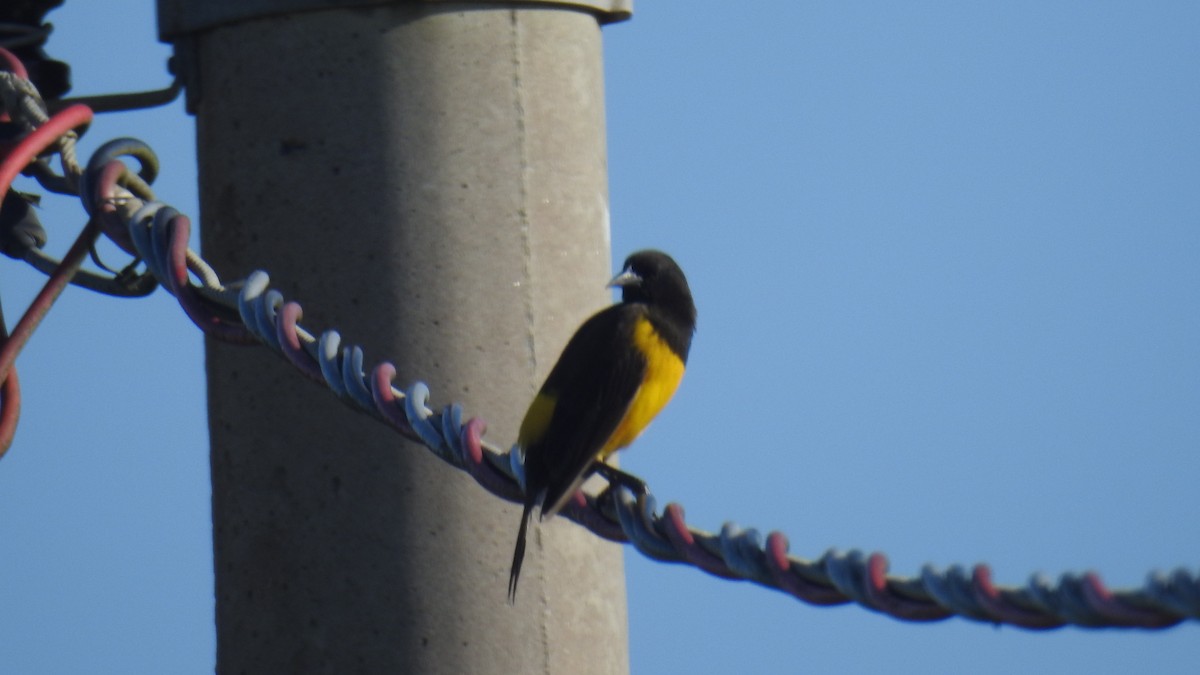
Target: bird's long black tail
x,y
519,553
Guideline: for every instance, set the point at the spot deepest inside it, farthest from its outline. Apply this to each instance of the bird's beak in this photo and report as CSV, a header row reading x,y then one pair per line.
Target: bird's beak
x,y
625,278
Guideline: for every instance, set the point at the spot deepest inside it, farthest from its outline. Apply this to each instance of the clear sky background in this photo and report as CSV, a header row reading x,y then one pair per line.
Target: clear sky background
x,y
947,262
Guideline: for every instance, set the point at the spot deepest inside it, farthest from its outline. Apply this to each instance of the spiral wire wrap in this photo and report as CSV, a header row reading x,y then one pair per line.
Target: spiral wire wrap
x,y
122,207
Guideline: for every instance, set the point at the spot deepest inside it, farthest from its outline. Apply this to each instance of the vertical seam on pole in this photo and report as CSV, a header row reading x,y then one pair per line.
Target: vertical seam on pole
x,y
523,196
527,294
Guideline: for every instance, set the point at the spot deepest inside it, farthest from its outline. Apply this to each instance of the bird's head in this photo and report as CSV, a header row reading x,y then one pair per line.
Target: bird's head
x,y
653,278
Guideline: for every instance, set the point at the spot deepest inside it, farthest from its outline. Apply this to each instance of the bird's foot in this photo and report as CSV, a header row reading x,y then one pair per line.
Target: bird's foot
x,y
617,477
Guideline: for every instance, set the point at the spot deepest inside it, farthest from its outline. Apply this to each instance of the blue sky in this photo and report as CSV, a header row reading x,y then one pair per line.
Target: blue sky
x,y
945,258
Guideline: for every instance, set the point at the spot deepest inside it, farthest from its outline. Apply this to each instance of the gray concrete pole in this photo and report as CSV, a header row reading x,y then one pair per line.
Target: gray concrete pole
x,y
429,179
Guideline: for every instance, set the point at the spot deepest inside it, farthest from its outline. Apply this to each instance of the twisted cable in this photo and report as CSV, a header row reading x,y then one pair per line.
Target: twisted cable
x,y
122,208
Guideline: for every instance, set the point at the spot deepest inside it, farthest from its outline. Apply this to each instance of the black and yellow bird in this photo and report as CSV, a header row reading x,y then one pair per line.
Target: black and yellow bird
x,y
616,373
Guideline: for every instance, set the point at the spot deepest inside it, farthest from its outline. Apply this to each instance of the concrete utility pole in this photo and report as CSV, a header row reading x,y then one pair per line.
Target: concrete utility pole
x,y
429,179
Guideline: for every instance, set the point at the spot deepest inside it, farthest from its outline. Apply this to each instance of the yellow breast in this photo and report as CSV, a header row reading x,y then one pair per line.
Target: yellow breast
x,y
664,371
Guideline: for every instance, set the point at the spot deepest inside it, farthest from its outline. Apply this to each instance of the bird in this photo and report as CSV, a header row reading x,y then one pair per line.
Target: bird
x,y
616,373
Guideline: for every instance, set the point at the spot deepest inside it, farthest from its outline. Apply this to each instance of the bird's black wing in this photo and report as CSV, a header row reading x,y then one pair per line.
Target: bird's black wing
x,y
591,387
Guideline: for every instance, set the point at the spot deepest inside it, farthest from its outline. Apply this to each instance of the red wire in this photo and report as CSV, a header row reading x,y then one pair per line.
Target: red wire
x,y
58,281
12,64
14,161
71,117
10,410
